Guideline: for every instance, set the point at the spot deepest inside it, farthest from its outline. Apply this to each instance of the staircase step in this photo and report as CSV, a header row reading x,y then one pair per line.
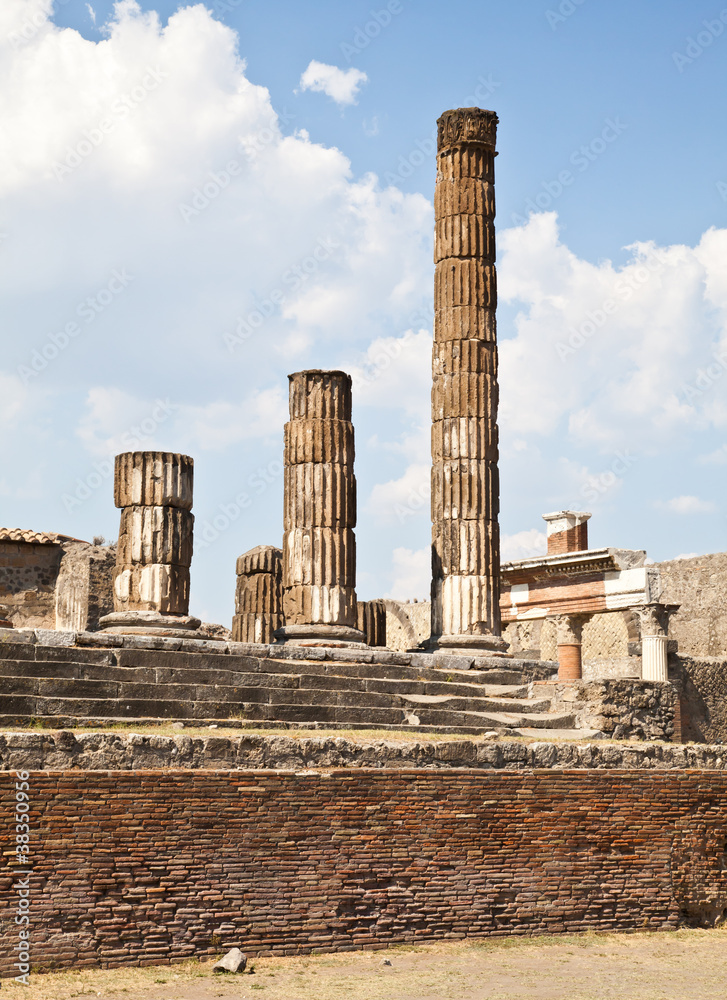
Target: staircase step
x,y
562,734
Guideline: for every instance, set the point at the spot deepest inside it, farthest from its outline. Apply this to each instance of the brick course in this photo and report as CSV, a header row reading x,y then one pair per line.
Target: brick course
x,y
156,866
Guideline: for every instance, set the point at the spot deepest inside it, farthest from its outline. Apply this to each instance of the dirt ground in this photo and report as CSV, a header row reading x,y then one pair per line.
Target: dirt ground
x,y
686,965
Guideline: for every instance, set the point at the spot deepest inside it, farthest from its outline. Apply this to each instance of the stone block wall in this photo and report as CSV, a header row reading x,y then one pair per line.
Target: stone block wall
x,y
158,866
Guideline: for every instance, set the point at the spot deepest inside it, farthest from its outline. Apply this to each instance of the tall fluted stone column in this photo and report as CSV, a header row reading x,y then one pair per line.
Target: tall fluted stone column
x,y
654,640
319,545
465,483
154,552
259,595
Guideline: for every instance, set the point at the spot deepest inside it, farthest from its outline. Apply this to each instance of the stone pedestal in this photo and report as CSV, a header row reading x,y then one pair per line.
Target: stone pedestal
x,y
465,485
151,579
654,619
372,622
569,632
319,545
259,595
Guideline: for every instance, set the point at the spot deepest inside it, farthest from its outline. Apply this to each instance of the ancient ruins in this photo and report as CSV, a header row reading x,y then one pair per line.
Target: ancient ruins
x,y
555,672
465,482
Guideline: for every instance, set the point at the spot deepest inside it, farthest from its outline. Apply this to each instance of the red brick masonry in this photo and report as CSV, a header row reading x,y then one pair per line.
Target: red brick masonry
x,y
152,866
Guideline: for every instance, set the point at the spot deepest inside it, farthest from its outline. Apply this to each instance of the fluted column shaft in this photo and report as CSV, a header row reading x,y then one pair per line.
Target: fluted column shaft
x,y
258,595
465,483
154,491
319,545
372,621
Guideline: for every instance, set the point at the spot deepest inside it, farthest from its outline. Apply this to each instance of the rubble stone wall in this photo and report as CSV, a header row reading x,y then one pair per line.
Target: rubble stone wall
x,y
62,586
67,750
702,684
147,867
622,709
28,575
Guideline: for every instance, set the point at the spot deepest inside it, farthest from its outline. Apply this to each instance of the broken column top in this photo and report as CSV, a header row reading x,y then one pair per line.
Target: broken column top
x,y
261,559
153,479
320,395
567,531
467,126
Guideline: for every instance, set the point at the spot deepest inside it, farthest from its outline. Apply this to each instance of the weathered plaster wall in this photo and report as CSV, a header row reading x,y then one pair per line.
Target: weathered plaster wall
x,y
56,586
158,866
407,624
700,586
28,575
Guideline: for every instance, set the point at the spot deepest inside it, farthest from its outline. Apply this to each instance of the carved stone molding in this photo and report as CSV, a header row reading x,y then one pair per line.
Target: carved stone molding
x,y
467,125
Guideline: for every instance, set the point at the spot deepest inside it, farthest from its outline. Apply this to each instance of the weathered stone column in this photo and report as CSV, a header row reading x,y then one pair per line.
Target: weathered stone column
x,y
569,634
465,483
372,622
319,545
151,580
654,640
259,595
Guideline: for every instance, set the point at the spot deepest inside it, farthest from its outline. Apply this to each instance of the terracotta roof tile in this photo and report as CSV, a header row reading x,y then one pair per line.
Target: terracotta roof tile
x,y
34,537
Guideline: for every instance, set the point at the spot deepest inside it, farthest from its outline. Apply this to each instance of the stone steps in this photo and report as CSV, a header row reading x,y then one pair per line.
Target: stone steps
x,y
301,687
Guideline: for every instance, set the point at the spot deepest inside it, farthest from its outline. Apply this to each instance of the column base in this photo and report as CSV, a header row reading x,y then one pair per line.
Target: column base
x,y
321,635
570,666
479,645
153,623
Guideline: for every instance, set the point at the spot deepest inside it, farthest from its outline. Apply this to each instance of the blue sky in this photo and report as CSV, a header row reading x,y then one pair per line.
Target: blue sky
x,y
624,103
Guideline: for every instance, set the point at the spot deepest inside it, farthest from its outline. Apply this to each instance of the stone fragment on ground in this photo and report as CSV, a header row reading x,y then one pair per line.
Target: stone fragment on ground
x,y
233,961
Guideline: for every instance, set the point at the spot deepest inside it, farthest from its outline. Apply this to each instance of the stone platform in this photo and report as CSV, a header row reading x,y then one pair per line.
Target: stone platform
x,y
73,679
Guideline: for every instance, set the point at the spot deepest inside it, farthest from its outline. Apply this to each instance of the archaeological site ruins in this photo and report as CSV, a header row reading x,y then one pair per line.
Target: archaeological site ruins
x,y
564,715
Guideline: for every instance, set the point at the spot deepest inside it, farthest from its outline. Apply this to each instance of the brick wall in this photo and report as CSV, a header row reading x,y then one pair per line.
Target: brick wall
x,y
571,540
156,866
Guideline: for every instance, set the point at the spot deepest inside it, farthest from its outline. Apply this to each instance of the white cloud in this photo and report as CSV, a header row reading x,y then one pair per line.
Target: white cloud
x,y
396,372
717,457
688,505
342,85
400,499
523,545
117,421
609,353
412,570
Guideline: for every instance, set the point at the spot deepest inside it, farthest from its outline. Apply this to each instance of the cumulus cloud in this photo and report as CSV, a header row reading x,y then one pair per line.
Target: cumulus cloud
x,y
411,569
398,500
341,85
688,505
607,353
396,371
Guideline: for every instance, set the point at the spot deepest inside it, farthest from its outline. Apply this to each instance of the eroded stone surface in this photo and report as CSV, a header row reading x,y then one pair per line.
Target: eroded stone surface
x,y
259,595
465,482
319,553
